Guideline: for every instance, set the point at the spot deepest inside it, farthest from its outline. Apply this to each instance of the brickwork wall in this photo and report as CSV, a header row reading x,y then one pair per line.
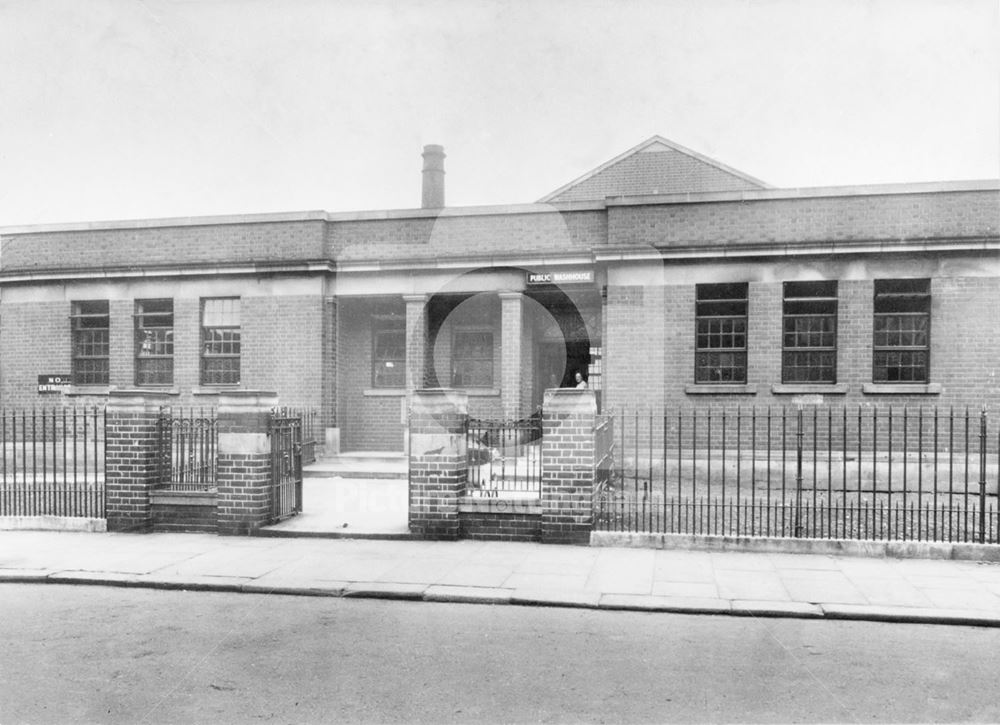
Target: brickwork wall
x,y
368,422
528,363
764,332
168,516
416,341
243,473
187,348
825,219
131,467
330,370
964,356
679,339
511,344
243,496
500,526
282,348
448,236
965,342
568,467
121,367
34,340
855,307
160,246
438,463
635,351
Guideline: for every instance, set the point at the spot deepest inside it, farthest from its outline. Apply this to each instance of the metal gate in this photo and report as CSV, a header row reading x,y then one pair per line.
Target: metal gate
x,y
505,455
285,430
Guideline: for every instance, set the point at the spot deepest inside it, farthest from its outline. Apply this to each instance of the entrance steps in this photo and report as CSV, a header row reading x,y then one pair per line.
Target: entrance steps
x,y
359,464
359,494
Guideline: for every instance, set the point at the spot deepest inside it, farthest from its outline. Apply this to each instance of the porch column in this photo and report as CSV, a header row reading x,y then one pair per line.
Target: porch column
x,y
511,352
416,341
243,475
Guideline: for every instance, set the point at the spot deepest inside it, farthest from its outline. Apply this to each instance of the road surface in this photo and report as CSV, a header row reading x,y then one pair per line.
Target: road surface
x,y
113,655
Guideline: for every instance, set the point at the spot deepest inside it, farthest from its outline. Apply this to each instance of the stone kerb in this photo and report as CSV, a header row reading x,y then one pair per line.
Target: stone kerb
x,y
131,457
438,461
568,419
243,474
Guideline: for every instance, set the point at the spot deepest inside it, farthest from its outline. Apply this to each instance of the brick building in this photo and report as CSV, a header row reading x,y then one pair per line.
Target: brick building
x,y
664,277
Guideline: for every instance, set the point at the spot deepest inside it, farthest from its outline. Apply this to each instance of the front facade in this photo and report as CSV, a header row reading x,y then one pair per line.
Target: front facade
x,y
664,278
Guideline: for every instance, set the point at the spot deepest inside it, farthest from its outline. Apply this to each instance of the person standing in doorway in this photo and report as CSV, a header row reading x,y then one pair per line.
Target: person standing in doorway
x,y
581,384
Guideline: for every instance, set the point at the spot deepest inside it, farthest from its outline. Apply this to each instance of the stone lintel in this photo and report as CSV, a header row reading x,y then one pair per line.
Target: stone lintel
x,y
564,401
246,401
244,443
137,400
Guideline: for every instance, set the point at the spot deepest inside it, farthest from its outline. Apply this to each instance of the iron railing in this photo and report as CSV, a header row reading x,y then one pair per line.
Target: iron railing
x,y
604,454
188,450
52,462
286,430
311,430
866,473
505,456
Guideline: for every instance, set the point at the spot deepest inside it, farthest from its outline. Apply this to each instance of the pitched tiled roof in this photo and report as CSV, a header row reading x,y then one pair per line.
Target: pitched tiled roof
x,y
656,166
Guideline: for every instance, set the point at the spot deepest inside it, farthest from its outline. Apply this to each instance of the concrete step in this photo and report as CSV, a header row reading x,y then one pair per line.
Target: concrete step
x,y
359,464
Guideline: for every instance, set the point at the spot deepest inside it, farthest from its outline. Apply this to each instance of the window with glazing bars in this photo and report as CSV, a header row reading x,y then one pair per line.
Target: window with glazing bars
x,y
91,322
472,359
721,333
389,348
809,333
154,342
220,341
902,325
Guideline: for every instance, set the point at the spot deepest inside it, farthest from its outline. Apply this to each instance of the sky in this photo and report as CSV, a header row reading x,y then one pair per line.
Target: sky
x,y
125,109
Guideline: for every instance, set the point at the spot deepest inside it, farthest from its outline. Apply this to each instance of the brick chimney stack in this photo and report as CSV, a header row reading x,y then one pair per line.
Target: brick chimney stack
x,y
433,188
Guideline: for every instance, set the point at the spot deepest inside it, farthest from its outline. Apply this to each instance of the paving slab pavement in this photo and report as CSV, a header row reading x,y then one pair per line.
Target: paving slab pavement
x,y
652,580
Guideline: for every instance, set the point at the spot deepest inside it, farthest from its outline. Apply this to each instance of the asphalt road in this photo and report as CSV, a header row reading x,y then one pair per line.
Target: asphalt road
x,y
110,655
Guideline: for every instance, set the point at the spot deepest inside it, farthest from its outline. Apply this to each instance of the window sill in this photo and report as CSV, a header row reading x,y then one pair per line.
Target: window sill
x,y
214,390
384,392
901,388
480,392
806,389
161,389
710,389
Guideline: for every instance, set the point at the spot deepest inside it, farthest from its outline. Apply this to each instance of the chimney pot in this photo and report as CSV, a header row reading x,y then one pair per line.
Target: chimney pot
x,y
433,186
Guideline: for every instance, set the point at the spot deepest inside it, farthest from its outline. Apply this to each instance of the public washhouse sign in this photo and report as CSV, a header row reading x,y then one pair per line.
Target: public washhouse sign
x,y
580,276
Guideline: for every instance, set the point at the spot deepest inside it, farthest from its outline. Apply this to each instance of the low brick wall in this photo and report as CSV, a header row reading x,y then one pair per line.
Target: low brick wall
x,y
498,519
183,511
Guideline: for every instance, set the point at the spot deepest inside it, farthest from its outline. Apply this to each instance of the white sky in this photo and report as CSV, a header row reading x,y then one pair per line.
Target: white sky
x,y
118,109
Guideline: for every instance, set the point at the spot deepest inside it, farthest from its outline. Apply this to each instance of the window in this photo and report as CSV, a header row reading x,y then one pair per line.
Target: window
x,y
388,348
154,342
594,369
809,333
721,333
472,359
901,349
220,341
91,347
